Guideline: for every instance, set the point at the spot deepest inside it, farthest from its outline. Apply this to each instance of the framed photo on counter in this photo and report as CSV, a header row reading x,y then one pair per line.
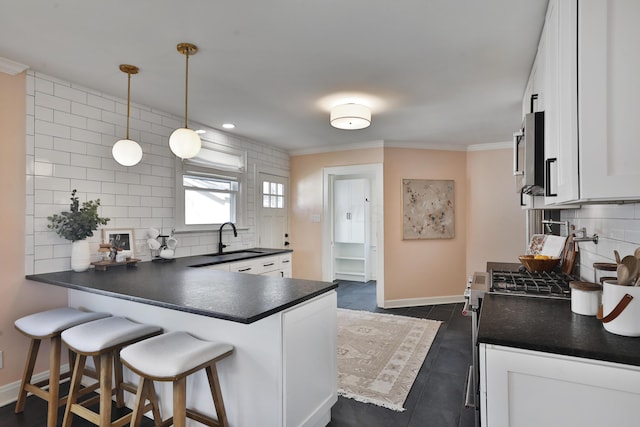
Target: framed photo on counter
x,y
121,237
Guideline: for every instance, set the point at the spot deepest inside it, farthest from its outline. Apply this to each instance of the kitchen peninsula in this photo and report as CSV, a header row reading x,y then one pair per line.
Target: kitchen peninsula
x,y
283,371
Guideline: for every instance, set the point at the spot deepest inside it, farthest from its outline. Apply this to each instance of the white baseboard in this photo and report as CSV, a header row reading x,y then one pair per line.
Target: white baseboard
x,y
414,302
9,392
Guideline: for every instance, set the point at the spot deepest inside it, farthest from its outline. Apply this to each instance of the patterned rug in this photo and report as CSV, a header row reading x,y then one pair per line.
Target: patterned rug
x,y
379,355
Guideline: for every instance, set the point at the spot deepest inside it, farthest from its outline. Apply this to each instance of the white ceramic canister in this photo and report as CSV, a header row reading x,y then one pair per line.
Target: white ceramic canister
x,y
627,323
585,297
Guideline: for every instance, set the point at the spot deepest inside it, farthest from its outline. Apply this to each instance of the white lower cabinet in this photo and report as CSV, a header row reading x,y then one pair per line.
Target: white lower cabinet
x,y
275,265
521,388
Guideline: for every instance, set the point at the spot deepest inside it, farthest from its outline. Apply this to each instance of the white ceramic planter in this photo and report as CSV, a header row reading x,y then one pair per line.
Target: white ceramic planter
x,y
80,255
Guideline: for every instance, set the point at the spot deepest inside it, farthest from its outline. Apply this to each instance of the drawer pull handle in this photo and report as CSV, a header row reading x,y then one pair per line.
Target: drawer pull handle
x,y
284,261
242,270
268,265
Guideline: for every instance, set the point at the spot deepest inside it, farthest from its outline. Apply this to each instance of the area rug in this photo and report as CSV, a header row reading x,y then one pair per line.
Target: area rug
x,y
379,355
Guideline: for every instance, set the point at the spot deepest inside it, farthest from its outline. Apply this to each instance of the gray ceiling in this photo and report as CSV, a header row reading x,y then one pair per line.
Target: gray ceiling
x,y
436,72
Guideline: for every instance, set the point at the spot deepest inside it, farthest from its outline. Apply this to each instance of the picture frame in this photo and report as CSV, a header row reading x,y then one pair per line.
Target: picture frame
x,y
126,238
427,209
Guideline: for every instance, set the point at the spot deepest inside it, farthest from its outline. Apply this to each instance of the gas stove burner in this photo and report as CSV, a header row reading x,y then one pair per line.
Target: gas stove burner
x,y
537,284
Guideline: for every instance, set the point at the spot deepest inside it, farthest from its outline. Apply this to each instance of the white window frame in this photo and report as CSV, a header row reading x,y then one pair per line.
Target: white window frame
x,y
235,168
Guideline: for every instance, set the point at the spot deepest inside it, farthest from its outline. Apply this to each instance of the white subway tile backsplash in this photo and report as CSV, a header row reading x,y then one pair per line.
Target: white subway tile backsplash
x,y
44,86
75,129
67,145
50,183
101,102
52,129
66,92
83,110
67,171
85,135
50,101
44,113
97,125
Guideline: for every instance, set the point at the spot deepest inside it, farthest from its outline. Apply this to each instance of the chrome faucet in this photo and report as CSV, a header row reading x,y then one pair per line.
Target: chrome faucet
x,y
220,245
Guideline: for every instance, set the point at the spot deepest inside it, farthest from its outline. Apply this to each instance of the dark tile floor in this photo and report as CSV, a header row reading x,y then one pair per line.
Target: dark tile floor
x,y
437,396
435,400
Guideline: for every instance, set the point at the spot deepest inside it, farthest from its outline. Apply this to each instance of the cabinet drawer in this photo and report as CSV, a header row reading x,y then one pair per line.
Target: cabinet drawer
x,y
249,266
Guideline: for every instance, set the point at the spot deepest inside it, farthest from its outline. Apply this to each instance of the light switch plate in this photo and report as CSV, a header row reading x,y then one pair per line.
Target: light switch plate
x,y
315,217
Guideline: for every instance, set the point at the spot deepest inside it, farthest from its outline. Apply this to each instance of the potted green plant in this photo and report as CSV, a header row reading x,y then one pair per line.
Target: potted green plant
x,y
76,225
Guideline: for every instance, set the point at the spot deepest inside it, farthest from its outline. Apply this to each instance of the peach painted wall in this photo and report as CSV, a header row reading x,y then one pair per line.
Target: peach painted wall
x,y
496,223
18,297
306,200
423,268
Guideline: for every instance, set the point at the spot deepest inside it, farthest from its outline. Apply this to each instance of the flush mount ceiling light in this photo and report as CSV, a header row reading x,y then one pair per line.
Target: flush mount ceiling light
x,y
126,151
350,116
184,142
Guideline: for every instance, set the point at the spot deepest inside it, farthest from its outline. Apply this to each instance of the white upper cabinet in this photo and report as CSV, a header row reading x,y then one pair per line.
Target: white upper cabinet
x,y
609,112
349,208
590,93
560,109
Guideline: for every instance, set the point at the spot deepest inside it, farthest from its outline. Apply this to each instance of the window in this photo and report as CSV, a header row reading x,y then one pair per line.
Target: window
x,y
209,200
210,188
272,195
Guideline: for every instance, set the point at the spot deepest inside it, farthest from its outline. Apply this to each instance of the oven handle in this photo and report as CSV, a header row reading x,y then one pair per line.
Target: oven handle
x,y
466,310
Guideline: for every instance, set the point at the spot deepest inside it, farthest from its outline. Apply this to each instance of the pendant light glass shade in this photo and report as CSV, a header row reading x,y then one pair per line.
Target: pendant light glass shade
x,y
350,116
126,151
184,142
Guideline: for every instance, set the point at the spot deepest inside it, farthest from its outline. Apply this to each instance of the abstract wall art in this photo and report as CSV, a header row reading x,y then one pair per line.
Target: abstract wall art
x,y
427,209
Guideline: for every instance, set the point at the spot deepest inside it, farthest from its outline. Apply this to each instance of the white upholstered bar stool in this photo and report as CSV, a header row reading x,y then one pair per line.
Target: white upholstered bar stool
x,y
173,357
49,325
103,340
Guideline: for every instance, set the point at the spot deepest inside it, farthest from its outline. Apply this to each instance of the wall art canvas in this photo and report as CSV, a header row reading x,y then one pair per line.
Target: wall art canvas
x,y
427,209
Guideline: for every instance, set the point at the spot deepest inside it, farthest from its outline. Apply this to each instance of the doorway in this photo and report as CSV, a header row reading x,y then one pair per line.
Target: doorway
x,y
273,207
346,253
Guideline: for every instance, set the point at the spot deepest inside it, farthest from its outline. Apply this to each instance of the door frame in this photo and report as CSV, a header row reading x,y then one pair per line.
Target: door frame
x,y
375,173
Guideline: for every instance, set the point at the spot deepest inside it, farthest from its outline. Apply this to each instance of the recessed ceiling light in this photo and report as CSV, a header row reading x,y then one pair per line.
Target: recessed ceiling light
x,y
201,131
228,126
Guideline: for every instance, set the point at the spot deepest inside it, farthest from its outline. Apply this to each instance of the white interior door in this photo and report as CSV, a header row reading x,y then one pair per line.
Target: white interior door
x,y
273,221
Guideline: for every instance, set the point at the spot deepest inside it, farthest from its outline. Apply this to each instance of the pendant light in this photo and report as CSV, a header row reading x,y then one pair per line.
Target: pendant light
x,y
126,151
184,142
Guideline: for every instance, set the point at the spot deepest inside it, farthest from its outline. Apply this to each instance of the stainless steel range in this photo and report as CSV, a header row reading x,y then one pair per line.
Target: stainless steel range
x,y
507,282
537,284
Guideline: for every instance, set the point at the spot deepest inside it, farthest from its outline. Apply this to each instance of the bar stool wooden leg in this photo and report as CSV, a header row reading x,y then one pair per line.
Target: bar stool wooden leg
x,y
76,377
216,393
54,380
34,346
145,392
106,372
179,402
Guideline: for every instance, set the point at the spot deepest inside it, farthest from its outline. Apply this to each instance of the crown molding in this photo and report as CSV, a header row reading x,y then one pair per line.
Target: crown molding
x,y
334,148
490,146
10,67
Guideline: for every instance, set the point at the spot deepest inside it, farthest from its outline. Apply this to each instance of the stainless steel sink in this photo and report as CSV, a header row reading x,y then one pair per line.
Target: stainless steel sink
x,y
245,252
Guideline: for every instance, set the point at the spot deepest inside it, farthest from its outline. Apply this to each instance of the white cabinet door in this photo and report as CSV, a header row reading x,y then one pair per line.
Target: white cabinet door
x,y
609,112
349,210
310,361
521,388
286,265
561,126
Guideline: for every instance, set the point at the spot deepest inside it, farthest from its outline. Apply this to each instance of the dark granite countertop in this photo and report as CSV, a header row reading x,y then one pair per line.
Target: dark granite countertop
x,y
549,325
237,297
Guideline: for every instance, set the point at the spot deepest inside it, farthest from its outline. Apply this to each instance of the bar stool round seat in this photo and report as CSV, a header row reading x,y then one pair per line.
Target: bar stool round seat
x,y
103,340
172,357
48,324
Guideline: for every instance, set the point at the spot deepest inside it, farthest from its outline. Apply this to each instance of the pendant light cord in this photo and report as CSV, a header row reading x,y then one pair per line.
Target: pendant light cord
x,y
128,101
186,92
